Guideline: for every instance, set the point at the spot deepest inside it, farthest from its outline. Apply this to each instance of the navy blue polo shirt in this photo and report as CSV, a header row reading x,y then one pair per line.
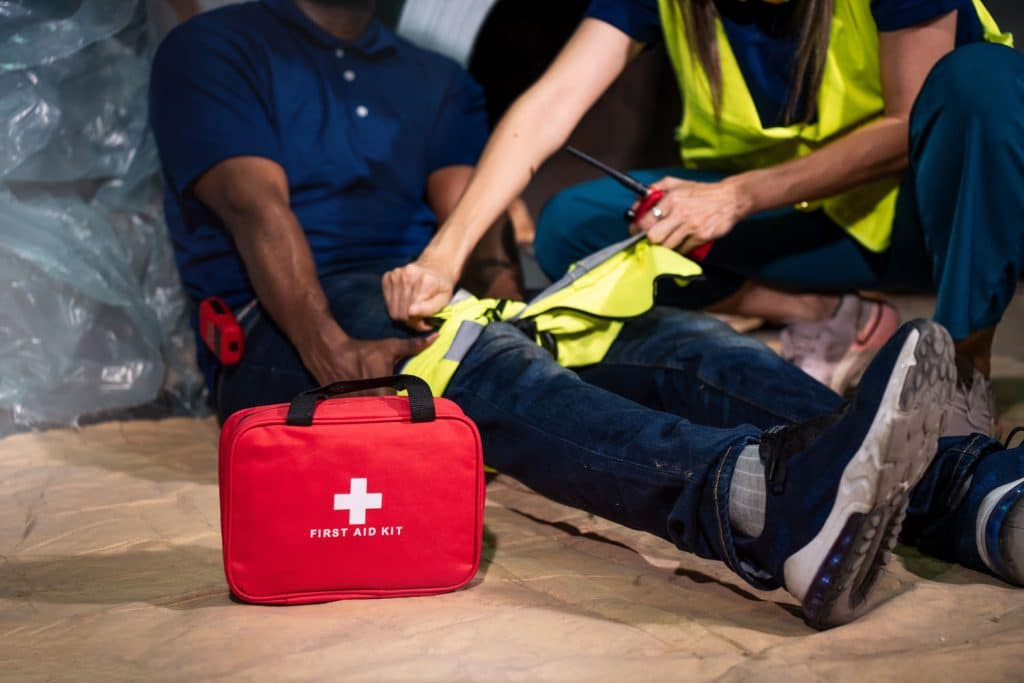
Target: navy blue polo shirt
x,y
762,39
357,126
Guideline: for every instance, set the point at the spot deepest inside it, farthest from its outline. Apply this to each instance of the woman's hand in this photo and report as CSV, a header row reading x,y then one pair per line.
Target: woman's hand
x,y
691,214
417,291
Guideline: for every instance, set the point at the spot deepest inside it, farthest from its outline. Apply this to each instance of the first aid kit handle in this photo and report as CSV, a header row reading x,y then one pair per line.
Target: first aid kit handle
x,y
421,401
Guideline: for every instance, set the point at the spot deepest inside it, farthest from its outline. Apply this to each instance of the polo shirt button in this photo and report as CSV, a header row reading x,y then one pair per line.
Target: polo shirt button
x,y
339,53
362,112
349,75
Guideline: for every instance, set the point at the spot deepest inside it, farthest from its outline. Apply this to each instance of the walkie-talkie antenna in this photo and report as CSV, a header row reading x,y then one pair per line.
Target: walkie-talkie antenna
x,y
632,183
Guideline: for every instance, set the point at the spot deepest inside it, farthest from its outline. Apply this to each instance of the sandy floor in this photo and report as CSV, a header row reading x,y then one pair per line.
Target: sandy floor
x,y
110,569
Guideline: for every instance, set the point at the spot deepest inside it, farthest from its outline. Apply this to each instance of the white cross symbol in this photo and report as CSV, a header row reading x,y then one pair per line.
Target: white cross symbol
x,y
357,501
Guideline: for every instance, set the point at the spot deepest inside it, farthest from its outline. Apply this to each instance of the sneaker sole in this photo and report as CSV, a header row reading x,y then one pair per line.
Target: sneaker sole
x,y
833,574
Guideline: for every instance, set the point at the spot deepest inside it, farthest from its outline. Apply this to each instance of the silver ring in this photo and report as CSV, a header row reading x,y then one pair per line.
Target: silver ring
x,y
657,212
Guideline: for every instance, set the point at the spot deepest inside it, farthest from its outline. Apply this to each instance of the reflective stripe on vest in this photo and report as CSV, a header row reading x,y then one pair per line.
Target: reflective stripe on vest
x,y
576,319
850,96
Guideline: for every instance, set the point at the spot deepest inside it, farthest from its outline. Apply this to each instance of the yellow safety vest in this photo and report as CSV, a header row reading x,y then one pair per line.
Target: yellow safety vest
x,y
577,318
850,96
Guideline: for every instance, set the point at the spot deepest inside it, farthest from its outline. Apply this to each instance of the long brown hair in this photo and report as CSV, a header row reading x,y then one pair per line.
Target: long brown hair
x,y
813,20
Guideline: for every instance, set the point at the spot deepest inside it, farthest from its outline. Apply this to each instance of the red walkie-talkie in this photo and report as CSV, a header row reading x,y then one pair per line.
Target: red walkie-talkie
x,y
647,196
220,330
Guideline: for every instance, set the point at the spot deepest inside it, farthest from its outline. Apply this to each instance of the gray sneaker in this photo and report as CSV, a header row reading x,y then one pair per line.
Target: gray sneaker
x,y
973,405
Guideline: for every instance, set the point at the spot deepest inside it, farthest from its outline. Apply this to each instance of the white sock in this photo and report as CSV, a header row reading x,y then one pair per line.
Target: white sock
x,y
747,493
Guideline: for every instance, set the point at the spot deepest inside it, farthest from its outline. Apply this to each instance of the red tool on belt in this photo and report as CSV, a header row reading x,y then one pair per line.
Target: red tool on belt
x,y
647,196
220,330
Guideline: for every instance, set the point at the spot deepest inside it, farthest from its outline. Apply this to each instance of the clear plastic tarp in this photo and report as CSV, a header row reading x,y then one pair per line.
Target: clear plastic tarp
x,y
93,320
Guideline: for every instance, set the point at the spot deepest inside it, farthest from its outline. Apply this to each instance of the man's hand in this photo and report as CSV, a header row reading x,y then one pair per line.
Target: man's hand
x,y
331,356
692,214
416,291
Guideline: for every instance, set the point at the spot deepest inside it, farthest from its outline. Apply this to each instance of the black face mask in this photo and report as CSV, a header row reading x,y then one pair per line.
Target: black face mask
x,y
361,5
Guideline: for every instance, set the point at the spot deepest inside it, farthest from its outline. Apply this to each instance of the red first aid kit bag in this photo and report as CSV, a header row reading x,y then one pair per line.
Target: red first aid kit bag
x,y
328,498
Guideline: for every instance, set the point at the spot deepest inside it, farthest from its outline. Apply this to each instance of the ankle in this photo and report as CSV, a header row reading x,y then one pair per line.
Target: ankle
x,y
976,348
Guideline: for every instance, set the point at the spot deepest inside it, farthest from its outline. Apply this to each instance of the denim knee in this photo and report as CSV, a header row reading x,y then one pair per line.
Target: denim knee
x,y
554,244
580,220
504,354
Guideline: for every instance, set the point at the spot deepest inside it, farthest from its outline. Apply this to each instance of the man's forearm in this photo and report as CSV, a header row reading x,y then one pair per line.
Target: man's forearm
x,y
282,271
875,151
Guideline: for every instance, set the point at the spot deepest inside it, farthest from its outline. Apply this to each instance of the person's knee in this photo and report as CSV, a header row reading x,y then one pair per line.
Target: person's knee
x,y
555,242
579,220
980,80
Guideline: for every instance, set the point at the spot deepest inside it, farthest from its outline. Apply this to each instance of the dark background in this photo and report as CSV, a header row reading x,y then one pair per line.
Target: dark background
x,y
1010,15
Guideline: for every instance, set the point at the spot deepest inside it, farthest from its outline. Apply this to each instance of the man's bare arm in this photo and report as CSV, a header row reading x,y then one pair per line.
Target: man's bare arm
x,y
250,194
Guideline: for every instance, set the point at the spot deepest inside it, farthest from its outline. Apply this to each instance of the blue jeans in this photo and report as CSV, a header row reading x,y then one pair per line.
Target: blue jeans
x,y
957,229
647,438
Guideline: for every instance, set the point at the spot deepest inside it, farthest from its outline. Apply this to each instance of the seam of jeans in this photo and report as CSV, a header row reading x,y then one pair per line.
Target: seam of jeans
x,y
728,549
727,556
739,399
966,451
957,476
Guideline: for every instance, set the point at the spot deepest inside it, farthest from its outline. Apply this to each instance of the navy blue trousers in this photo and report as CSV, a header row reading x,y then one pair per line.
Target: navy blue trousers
x,y
958,232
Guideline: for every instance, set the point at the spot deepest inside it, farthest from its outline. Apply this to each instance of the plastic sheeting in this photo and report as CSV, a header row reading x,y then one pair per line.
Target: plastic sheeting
x,y
93,320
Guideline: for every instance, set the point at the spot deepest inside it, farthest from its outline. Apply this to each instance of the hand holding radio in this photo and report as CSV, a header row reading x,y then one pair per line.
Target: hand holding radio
x,y
682,231
690,215
416,291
